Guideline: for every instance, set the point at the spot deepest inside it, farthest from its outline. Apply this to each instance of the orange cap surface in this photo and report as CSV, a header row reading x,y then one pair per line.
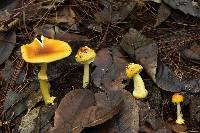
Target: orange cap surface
x,y
132,69
50,51
85,55
177,98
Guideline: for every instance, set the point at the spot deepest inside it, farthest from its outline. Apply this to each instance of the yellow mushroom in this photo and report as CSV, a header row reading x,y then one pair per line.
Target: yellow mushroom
x,y
132,72
177,98
85,55
44,50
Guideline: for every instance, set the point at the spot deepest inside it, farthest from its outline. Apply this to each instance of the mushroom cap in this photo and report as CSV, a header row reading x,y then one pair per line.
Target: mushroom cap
x,y
132,69
177,98
85,55
50,51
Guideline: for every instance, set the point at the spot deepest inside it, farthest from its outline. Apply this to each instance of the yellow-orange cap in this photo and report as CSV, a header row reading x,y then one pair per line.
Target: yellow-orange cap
x,y
85,55
133,69
50,51
177,98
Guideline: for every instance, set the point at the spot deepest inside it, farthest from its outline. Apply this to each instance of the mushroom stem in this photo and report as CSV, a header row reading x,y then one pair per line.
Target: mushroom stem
x,y
180,119
86,75
44,87
139,88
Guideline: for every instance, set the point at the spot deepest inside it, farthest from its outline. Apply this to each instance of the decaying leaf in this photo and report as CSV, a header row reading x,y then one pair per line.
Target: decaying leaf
x,y
33,99
7,44
163,13
195,111
114,12
186,6
67,16
13,105
44,118
127,121
81,108
8,71
151,120
128,118
110,70
192,53
28,122
55,32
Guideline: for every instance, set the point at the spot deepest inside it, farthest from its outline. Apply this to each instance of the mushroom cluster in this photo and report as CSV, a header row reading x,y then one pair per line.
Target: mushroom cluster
x,y
44,50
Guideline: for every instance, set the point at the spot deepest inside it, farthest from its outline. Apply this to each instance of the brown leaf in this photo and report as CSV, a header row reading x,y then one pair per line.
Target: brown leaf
x,y
7,41
81,108
126,121
163,13
110,70
114,12
55,32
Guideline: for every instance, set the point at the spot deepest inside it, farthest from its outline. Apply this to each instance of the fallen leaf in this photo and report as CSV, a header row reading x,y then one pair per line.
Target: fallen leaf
x,y
150,120
192,53
28,123
81,108
126,121
33,99
45,118
195,111
114,12
7,44
110,69
177,128
13,105
128,118
55,32
188,7
8,71
163,13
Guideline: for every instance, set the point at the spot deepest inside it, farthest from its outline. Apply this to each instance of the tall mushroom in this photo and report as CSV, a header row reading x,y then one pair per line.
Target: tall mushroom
x,y
177,98
44,50
132,72
85,55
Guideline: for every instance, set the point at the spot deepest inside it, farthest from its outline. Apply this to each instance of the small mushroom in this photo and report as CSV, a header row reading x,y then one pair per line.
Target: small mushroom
x,y
177,98
132,72
85,55
44,50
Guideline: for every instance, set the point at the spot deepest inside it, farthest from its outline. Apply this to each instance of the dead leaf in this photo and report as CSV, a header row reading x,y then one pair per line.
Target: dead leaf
x,y
13,105
114,12
127,121
55,32
45,117
28,123
7,44
110,70
150,120
163,13
192,53
188,7
195,111
33,99
81,108
128,118
64,16
177,128
7,72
